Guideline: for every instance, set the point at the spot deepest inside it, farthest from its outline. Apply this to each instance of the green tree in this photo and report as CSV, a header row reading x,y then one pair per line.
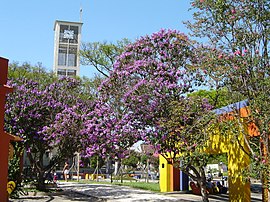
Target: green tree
x,y
96,162
28,71
132,159
217,99
102,55
237,32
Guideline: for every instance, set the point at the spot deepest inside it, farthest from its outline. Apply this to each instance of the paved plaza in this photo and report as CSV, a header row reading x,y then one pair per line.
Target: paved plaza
x,y
73,191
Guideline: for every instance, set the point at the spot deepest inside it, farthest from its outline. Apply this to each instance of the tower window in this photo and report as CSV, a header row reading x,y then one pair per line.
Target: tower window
x,y
61,72
72,56
67,55
62,55
71,72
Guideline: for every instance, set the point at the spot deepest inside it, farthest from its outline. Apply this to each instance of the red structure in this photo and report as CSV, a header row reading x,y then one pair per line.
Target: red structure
x,y
5,138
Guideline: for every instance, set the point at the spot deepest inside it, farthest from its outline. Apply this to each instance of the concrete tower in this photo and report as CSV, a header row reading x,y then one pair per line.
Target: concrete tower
x,y
67,38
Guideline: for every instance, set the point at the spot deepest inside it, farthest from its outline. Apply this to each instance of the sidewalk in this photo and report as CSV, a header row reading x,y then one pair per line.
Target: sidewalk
x,y
73,191
114,193
122,193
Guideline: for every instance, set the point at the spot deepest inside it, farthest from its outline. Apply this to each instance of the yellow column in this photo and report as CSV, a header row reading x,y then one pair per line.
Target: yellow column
x,y
238,160
164,175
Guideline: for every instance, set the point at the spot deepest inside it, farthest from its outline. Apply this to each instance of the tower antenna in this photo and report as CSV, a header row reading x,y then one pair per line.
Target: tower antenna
x,y
81,10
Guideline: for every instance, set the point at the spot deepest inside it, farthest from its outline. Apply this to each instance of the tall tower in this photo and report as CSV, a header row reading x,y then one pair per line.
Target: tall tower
x,y
67,39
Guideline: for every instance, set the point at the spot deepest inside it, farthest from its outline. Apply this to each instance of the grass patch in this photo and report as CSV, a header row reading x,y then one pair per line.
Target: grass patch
x,y
124,178
143,185
139,185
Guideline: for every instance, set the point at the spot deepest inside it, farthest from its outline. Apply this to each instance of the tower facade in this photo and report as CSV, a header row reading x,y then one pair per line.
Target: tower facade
x,y
67,39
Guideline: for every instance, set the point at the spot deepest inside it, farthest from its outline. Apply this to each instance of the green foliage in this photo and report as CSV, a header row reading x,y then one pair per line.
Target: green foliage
x,y
153,160
187,125
216,159
27,71
89,88
14,171
102,55
217,98
237,57
144,158
132,160
95,160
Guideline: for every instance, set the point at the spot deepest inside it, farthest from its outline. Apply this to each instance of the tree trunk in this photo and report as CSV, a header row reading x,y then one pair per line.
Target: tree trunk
x,y
97,168
78,166
204,191
121,171
148,169
111,178
107,168
203,185
200,178
41,181
116,167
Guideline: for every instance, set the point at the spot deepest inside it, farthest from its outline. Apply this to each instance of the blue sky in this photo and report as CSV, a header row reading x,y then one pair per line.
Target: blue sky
x,y
27,25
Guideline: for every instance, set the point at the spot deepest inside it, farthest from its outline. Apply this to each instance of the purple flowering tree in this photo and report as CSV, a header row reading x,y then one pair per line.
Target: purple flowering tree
x,y
47,116
144,98
109,134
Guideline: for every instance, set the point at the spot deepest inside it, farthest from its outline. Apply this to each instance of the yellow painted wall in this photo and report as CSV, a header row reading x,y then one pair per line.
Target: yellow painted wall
x,y
164,175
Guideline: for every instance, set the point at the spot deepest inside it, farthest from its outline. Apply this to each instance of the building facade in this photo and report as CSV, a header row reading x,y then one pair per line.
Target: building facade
x,y
67,39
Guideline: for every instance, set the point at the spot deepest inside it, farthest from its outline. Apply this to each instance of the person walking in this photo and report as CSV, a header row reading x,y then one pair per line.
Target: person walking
x,y
66,171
